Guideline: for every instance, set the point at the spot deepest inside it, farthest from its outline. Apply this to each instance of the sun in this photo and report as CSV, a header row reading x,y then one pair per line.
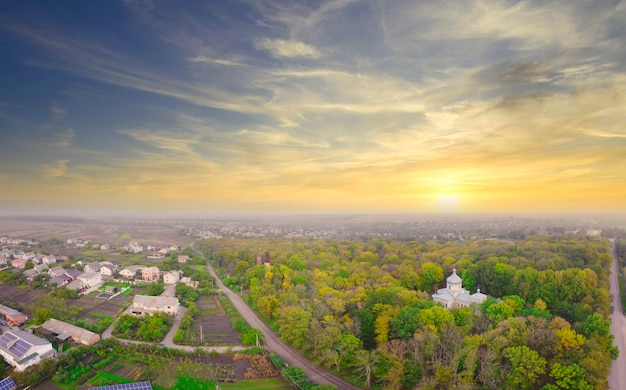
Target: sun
x,y
447,203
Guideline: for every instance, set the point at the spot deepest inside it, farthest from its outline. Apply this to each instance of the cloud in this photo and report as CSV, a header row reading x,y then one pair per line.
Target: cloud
x,y
65,138
287,48
208,60
54,171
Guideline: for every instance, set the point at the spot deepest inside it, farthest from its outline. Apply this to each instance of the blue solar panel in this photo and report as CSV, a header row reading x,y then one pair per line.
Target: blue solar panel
x,y
7,384
126,386
20,347
6,339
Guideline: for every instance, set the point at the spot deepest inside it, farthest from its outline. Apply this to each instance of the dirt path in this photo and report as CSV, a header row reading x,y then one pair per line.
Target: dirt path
x,y
274,344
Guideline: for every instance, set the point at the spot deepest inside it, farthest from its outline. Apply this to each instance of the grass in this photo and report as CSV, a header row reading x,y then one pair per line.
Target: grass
x,y
122,238
257,384
187,383
98,315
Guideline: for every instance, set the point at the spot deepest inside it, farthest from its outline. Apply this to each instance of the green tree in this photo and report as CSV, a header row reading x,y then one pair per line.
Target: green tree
x,y
570,376
526,366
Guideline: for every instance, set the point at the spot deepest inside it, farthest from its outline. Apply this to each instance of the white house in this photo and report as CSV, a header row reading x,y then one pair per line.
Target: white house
x,y
22,349
108,270
131,271
171,277
90,279
93,267
105,247
454,295
49,259
133,247
183,258
41,268
145,304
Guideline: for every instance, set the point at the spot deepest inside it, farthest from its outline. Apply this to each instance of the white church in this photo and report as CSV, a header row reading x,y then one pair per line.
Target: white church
x,y
454,295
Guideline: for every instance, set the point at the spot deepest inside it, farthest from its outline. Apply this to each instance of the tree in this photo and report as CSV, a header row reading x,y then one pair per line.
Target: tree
x,y
364,362
526,366
570,376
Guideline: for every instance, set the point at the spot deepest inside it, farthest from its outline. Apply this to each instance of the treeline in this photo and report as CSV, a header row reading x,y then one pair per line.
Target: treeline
x,y
364,309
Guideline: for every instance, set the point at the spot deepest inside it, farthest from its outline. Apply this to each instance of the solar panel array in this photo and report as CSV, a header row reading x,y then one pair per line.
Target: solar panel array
x,y
5,339
7,384
19,347
126,386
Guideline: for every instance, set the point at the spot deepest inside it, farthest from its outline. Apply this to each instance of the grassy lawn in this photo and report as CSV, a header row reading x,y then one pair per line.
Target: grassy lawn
x,y
258,384
88,252
186,382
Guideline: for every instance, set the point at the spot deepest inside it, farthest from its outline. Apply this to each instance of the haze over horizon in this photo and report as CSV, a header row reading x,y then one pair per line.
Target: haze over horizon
x,y
341,106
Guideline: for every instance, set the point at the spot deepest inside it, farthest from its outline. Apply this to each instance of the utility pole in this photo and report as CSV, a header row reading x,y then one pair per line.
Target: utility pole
x,y
201,333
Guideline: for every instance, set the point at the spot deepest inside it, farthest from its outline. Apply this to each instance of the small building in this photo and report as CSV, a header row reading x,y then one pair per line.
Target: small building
x,y
131,271
75,285
49,259
188,282
171,277
56,271
22,349
73,273
18,263
108,270
41,268
145,304
78,334
150,274
93,267
13,316
105,247
91,279
60,281
183,258
110,289
454,295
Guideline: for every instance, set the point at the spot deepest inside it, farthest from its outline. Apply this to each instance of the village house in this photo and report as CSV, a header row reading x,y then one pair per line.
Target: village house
x,y
92,267
188,282
130,272
60,281
76,285
105,247
56,271
49,259
3,260
28,255
73,273
133,247
90,279
171,277
18,263
22,349
78,334
30,274
13,316
150,274
108,270
183,259
41,268
145,304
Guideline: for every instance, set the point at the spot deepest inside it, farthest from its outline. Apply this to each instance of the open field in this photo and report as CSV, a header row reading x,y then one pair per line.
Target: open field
x,y
90,304
117,233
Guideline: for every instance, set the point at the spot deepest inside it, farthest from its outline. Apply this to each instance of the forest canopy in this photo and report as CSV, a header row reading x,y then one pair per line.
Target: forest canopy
x,y
363,308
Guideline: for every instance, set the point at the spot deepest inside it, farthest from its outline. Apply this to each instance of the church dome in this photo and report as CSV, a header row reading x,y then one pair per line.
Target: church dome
x,y
454,278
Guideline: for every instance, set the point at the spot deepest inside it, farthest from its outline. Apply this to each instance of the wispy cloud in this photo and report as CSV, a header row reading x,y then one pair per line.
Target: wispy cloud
x,y
287,48
53,171
208,60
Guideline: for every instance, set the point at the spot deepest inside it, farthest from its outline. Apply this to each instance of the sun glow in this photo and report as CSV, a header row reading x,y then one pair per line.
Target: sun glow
x,y
447,203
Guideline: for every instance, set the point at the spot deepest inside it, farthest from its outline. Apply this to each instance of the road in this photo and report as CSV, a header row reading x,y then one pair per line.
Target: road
x,y
617,377
274,344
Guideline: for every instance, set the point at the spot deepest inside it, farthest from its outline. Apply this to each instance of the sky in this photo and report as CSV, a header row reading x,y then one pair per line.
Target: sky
x,y
163,107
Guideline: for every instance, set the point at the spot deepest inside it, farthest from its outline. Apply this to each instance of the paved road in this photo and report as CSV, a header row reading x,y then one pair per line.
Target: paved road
x,y
617,377
274,344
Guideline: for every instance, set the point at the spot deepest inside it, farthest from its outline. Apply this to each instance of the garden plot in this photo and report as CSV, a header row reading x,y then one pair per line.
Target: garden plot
x,y
91,304
216,326
19,298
